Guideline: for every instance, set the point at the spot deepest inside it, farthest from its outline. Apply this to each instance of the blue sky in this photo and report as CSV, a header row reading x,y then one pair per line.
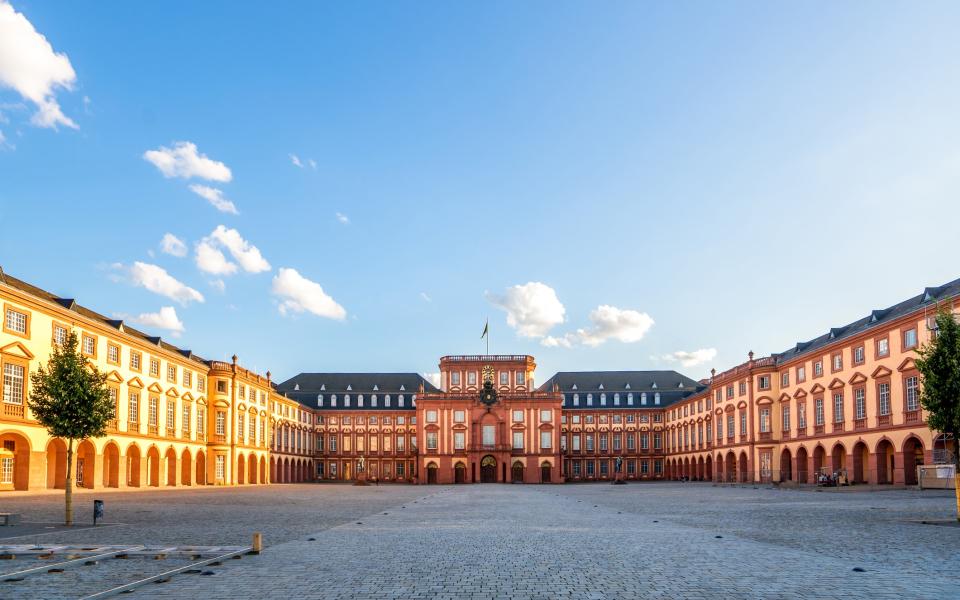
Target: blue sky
x,y
610,183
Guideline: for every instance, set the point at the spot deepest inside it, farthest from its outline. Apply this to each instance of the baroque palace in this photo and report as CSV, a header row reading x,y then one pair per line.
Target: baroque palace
x,y
845,402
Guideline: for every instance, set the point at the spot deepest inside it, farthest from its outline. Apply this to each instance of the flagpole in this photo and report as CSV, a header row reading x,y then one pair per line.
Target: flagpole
x,y
488,336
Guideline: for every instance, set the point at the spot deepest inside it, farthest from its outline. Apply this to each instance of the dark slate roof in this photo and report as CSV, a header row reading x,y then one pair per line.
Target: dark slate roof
x,y
877,318
671,385
71,305
305,387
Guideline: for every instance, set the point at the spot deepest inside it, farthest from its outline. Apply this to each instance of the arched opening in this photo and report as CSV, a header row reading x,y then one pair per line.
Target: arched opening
x,y
273,470
819,455
56,464
803,475
708,468
86,461
133,466
252,468
460,473
516,472
838,458
153,467
111,465
885,462
912,458
201,469
170,458
786,465
686,468
432,473
545,469
730,472
17,450
186,468
263,469
744,475
241,470
700,469
861,458
488,469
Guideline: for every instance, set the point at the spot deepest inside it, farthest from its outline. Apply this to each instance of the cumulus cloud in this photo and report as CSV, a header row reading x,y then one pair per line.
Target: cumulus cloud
x,y
343,218
214,197
185,162
29,65
296,161
691,359
532,308
210,259
172,245
298,294
242,251
157,280
166,318
219,285
609,323
433,378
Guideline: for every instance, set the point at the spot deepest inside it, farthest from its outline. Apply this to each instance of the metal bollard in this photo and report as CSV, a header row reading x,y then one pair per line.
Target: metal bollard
x,y
97,510
257,543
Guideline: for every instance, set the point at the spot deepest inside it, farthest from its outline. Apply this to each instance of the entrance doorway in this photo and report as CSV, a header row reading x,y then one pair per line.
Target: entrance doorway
x,y
460,473
488,470
432,473
545,472
517,472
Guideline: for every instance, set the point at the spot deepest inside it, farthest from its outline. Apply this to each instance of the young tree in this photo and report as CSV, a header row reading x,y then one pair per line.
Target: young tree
x,y
70,398
939,366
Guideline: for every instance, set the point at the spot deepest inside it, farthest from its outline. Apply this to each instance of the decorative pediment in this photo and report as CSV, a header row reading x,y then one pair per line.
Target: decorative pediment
x,y
800,394
114,377
836,383
783,398
858,378
155,387
719,411
241,406
201,400
742,404
907,365
187,397
173,393
730,408
816,389
221,404
17,349
881,371
135,383
764,400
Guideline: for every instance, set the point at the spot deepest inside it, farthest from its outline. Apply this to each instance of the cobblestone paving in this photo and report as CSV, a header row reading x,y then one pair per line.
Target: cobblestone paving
x,y
577,541
599,541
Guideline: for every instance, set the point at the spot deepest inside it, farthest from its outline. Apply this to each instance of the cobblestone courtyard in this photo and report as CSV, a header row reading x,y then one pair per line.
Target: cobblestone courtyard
x,y
482,541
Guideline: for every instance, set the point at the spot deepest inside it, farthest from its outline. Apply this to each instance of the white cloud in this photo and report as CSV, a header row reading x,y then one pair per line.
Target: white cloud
x,y
166,318
426,297
158,281
219,285
214,197
532,308
691,359
29,65
609,322
172,245
185,162
433,378
296,161
242,251
299,295
343,218
210,259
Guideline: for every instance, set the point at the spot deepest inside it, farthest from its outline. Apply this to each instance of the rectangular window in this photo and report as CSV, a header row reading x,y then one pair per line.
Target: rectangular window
x,y
729,391
16,322
135,358
818,368
152,410
221,424
154,367
801,374
883,347
471,378
911,393
489,435
785,416
13,383
763,382
589,443
719,431
616,442
657,441
731,427
838,408
113,354
459,440
802,415
133,408
171,414
909,339
546,415
603,442
743,422
59,334
455,378
883,399
604,468
171,373
576,443
764,420
518,440
459,416
431,440
186,418
785,379
6,470
860,403
743,388
521,378
858,355
220,465
187,378
88,345
818,411
590,468
837,361
504,378
518,416
431,416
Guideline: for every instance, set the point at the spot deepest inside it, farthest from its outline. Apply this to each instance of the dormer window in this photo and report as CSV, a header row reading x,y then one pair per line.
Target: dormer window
x,y
656,398
601,386
626,387
680,385
376,388
576,399
319,399
589,399
574,387
296,387
323,387
402,389
349,388
654,386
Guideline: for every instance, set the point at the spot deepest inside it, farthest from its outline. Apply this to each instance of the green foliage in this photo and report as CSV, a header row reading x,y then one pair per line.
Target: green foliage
x,y
939,366
70,397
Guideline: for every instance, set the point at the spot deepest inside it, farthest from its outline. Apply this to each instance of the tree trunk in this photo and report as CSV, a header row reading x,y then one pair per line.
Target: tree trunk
x,y
68,487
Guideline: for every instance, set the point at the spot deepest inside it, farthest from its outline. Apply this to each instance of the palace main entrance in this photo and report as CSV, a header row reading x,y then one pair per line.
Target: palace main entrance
x,y
488,469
